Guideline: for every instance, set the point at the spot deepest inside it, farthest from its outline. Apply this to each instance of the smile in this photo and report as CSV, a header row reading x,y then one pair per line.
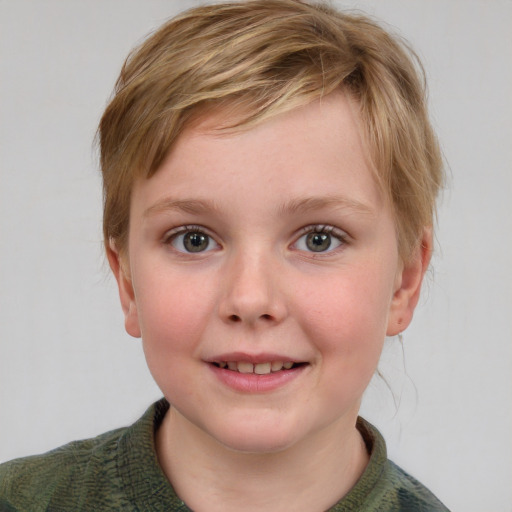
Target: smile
x,y
256,373
257,368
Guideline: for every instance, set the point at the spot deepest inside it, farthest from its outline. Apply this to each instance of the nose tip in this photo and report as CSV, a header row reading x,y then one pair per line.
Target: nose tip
x,y
253,310
252,294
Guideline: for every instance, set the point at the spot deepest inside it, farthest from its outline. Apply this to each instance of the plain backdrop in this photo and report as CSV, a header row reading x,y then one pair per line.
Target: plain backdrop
x,y
67,368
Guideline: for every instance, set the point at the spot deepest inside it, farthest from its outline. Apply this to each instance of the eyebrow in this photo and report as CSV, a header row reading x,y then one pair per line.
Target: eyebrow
x,y
307,204
293,207
193,206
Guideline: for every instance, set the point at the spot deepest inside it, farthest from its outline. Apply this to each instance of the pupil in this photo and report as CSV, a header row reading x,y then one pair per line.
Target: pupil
x,y
195,242
318,242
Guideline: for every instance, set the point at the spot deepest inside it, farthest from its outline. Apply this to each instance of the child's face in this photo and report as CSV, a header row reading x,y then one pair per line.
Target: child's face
x,y
260,248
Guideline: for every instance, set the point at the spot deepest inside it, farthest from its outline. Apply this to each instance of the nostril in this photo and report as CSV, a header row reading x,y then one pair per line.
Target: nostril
x,y
235,318
266,317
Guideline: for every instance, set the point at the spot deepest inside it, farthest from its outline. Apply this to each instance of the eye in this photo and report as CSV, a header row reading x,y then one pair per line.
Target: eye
x,y
190,240
320,239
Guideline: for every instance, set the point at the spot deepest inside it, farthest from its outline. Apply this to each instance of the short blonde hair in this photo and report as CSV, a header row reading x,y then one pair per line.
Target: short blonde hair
x,y
269,56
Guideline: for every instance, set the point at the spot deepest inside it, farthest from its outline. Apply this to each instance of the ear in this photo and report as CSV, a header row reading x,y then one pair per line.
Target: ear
x,y
408,285
119,264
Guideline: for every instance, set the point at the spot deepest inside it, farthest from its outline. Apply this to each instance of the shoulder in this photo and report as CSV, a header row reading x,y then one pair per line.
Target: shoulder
x,y
114,471
407,492
384,485
31,483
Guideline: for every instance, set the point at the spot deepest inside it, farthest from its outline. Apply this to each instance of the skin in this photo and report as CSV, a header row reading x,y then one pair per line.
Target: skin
x,y
258,288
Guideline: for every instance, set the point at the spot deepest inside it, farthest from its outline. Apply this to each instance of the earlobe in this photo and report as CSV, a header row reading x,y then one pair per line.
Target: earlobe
x,y
118,264
408,286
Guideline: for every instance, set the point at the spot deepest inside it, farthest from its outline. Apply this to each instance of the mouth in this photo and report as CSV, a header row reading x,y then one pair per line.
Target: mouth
x,y
256,373
263,368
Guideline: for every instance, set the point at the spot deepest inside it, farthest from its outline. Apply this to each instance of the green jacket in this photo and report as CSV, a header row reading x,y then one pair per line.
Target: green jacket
x,y
119,471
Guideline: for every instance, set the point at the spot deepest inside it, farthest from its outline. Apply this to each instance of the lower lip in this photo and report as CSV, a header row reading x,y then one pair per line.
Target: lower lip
x,y
253,383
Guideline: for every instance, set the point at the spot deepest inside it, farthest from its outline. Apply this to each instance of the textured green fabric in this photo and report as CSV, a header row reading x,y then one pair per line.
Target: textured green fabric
x,y
119,471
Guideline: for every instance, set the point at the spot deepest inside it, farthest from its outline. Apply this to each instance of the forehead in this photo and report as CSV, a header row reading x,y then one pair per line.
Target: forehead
x,y
316,147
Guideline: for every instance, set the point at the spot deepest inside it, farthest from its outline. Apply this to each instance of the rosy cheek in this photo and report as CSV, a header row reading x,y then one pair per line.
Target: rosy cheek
x,y
346,316
172,311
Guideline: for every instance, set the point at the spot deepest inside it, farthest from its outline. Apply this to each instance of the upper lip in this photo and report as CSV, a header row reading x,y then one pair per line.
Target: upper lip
x,y
265,357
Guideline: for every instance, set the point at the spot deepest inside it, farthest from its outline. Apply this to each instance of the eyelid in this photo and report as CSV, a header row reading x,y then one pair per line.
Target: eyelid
x,y
341,235
173,233
179,230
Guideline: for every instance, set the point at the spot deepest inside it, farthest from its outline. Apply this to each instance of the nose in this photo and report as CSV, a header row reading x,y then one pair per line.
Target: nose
x,y
252,294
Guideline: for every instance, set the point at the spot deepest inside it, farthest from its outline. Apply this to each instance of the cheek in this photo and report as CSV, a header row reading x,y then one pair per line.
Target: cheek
x,y
173,311
173,314
347,316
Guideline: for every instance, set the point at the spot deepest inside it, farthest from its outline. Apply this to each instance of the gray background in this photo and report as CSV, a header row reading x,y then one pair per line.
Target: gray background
x,y
68,370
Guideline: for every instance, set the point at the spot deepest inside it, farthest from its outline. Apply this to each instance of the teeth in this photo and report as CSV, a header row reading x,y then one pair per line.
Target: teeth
x,y
262,368
277,365
245,367
258,369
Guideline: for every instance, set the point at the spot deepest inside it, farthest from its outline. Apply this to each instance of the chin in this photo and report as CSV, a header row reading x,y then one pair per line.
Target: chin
x,y
257,445
257,437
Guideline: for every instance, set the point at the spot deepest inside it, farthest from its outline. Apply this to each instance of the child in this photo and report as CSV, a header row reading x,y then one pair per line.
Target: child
x,y
270,177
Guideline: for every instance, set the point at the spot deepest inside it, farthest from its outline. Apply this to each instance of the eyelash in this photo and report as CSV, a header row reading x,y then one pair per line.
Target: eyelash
x,y
336,233
171,235
323,229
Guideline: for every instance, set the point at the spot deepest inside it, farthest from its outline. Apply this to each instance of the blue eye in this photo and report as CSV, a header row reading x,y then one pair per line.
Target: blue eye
x,y
191,240
320,239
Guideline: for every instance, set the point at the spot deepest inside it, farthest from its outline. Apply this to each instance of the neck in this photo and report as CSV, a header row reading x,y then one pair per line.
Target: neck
x,y
311,475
